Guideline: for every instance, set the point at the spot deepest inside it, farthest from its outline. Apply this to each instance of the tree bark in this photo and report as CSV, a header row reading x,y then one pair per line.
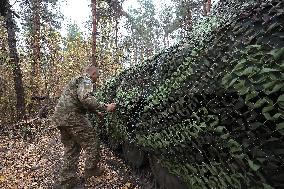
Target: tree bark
x,y
116,32
36,4
116,59
187,18
14,60
94,31
206,7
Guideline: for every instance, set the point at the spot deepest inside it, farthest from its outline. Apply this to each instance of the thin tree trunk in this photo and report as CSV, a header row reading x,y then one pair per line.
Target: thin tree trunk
x,y
116,32
94,32
116,59
209,4
168,41
135,52
18,83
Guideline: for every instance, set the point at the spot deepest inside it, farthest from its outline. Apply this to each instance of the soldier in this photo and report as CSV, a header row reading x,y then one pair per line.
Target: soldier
x,y
76,130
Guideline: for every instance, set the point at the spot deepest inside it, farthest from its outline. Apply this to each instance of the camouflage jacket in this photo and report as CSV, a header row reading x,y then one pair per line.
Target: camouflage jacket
x,y
78,96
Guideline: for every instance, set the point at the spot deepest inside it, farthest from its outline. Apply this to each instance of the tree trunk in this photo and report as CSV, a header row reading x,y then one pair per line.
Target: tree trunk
x,y
206,7
186,18
116,59
168,41
116,32
94,32
36,47
18,83
209,4
135,52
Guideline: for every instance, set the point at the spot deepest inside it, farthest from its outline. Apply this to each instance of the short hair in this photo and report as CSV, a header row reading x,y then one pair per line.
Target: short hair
x,y
91,68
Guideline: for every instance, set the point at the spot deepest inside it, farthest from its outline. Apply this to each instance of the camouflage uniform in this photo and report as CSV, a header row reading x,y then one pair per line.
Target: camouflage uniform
x,y
76,130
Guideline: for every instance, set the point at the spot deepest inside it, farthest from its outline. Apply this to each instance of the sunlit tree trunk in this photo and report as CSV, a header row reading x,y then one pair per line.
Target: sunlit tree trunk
x,y
14,60
94,31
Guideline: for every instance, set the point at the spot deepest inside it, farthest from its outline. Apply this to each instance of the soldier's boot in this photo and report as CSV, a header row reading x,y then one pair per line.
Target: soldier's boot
x,y
96,171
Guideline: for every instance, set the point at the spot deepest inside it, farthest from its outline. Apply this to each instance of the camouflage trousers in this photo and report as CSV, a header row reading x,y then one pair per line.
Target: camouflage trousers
x,y
77,133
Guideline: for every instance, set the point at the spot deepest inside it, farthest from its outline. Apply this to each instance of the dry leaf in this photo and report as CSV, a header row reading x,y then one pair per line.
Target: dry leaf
x,y
2,178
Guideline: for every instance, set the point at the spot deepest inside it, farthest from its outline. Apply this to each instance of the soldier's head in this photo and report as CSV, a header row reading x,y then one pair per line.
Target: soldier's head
x,y
93,72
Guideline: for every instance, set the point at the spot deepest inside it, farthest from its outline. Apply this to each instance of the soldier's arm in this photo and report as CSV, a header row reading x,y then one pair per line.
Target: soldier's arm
x,y
86,97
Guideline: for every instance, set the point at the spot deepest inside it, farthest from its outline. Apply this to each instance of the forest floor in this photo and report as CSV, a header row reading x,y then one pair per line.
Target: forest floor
x,y
34,160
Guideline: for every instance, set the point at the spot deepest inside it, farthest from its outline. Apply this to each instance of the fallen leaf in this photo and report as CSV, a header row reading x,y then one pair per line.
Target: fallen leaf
x,y
2,178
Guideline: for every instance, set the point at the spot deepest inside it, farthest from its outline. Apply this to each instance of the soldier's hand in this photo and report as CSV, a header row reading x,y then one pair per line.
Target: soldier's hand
x,y
100,114
111,107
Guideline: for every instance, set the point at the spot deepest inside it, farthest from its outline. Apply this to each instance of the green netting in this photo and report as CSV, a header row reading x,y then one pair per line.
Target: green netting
x,y
211,110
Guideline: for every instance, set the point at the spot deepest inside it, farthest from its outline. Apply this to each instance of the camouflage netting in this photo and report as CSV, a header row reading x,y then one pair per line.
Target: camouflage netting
x,y
211,110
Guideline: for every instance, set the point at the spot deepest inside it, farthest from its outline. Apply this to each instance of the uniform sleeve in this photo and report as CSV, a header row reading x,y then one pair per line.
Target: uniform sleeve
x,y
86,97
